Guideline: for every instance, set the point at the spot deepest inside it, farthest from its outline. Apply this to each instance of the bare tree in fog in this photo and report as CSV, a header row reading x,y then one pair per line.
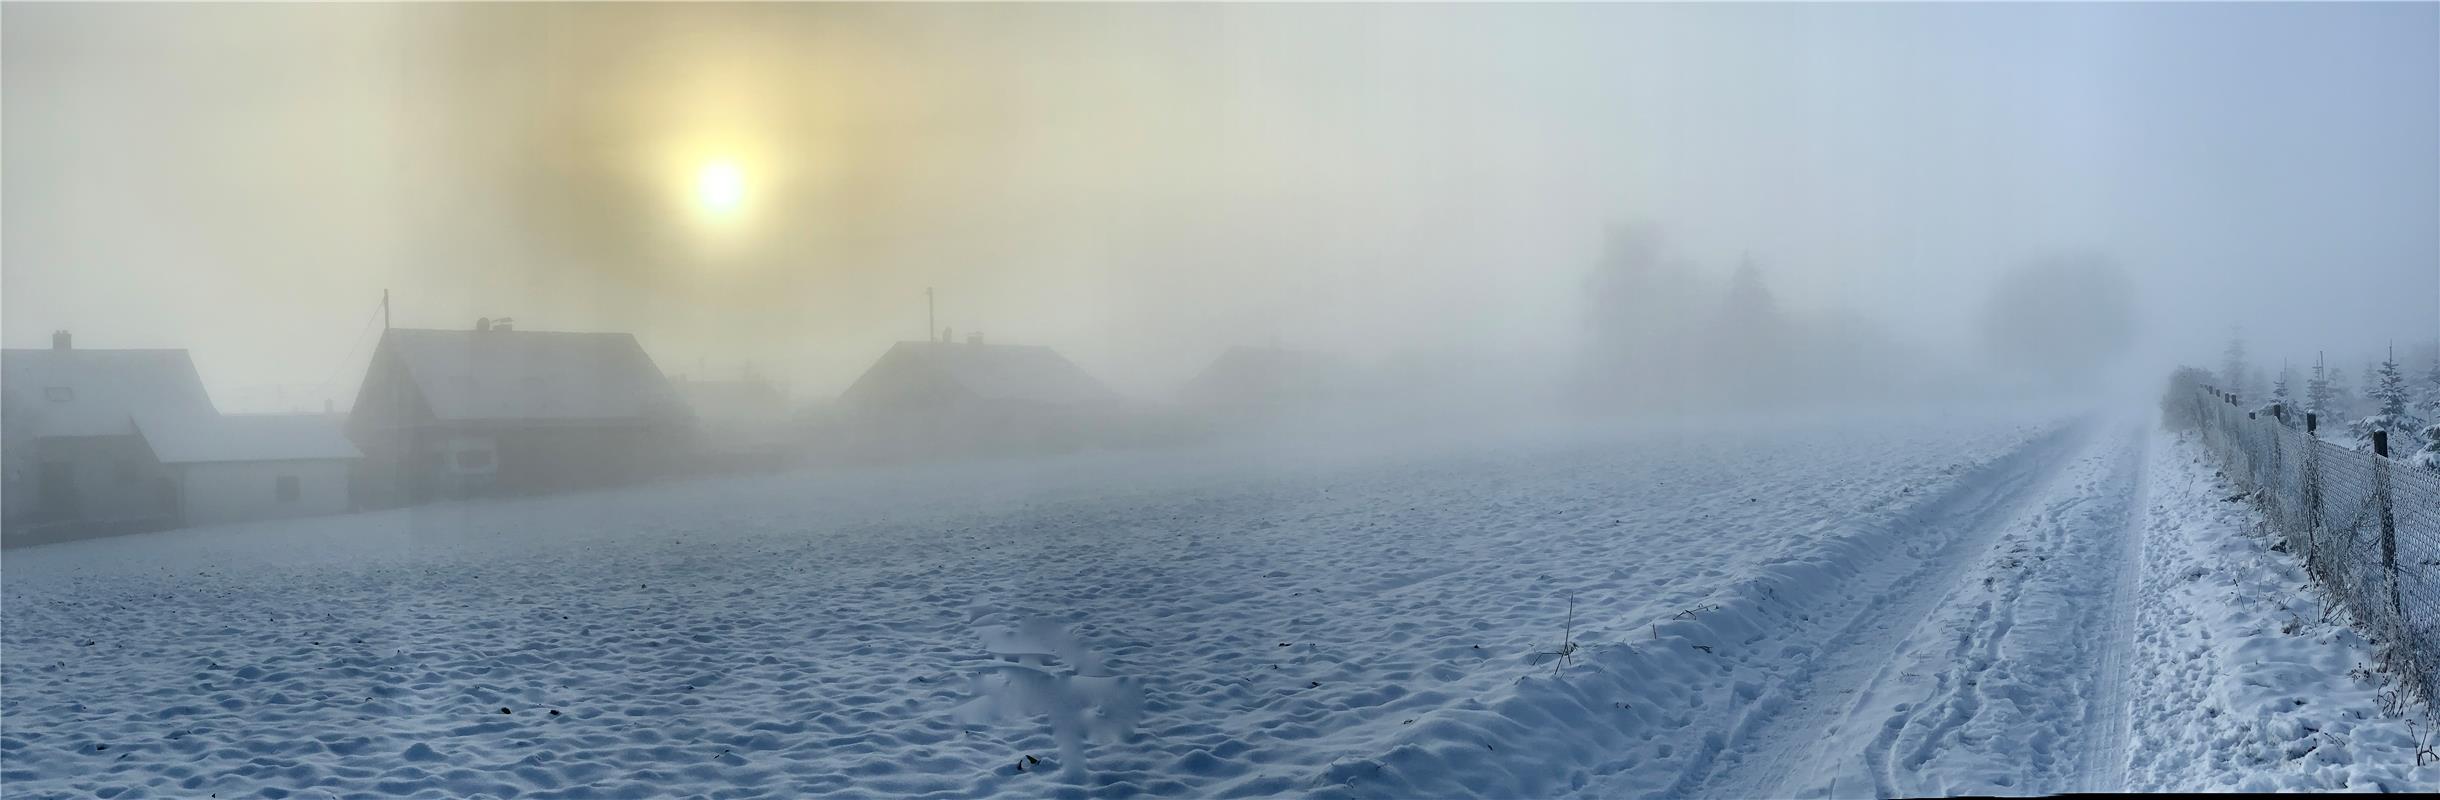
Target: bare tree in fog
x,y
2236,373
1749,345
2061,318
1640,307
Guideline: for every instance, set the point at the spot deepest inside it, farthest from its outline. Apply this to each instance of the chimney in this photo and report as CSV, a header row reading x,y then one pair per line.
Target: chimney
x,y
975,338
482,323
59,340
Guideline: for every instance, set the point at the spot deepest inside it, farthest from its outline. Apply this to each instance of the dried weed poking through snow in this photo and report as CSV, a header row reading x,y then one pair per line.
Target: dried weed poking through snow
x,y
1048,673
1566,654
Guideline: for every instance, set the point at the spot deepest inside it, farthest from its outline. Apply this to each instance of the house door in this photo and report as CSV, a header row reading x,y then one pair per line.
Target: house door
x,y
58,490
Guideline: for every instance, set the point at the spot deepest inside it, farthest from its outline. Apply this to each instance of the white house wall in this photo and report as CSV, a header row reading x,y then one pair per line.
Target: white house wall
x,y
116,478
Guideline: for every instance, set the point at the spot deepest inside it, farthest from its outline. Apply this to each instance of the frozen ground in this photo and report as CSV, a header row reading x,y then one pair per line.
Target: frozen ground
x,y
1958,605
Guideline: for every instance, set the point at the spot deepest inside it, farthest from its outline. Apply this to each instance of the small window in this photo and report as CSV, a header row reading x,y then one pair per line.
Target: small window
x,y
58,394
473,459
286,489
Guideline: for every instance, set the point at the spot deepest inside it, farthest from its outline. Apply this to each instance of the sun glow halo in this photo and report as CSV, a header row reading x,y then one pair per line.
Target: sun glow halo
x,y
720,188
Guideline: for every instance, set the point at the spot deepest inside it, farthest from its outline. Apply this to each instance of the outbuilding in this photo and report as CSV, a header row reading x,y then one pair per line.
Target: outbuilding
x,y
237,467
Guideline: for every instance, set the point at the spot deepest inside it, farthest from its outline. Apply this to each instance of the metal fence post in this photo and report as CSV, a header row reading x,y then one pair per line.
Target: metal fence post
x,y
2312,497
2389,526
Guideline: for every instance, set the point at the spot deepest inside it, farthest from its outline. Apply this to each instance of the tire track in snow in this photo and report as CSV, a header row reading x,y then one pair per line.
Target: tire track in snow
x,y
2105,759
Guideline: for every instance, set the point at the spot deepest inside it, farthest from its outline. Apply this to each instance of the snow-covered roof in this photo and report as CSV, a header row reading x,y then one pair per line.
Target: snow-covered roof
x,y
187,439
75,392
1025,373
474,375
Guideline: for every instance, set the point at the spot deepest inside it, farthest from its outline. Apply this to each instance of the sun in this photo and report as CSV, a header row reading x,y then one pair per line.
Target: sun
x,y
720,188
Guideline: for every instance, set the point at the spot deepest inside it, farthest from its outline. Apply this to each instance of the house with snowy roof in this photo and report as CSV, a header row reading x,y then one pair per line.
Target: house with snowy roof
x,y
945,397
494,410
102,441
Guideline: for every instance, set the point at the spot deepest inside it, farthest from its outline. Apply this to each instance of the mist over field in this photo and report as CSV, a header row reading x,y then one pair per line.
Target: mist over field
x,y
1820,400
1143,187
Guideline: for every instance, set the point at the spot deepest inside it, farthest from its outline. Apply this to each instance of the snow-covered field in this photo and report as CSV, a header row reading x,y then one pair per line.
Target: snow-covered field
x,y
1959,605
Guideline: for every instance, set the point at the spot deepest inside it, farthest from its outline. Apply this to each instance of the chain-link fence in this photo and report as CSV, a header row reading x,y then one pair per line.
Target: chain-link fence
x,y
2366,526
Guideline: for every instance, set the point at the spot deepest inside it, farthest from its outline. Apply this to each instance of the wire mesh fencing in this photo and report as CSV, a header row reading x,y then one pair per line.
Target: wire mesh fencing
x,y
2366,526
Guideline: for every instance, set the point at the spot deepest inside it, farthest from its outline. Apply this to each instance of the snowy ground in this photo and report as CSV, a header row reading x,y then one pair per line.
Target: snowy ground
x,y
2251,680
1954,606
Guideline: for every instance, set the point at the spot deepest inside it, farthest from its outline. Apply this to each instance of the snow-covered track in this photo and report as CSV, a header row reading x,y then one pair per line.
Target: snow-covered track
x,y
1790,651
1936,617
2008,683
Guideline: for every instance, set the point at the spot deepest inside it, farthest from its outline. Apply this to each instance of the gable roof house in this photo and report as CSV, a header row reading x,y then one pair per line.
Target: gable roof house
x,y
100,441
939,397
494,410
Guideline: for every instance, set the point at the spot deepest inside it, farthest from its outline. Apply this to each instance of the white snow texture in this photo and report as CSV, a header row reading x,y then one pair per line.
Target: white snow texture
x,y
1952,606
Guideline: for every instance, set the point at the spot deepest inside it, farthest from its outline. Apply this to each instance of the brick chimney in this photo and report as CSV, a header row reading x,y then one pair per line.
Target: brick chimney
x,y
59,340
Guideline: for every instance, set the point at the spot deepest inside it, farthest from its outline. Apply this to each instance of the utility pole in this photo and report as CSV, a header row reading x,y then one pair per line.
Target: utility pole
x,y
385,309
931,320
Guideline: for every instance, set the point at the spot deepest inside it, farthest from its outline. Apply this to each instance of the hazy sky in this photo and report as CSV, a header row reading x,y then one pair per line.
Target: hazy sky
x,y
1142,186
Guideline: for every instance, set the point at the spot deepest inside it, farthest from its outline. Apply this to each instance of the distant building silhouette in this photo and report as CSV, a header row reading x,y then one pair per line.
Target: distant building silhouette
x,y
943,397
1257,382
742,423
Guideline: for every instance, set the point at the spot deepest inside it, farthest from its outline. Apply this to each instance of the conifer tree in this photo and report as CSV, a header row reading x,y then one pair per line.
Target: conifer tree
x,y
2386,389
2318,393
